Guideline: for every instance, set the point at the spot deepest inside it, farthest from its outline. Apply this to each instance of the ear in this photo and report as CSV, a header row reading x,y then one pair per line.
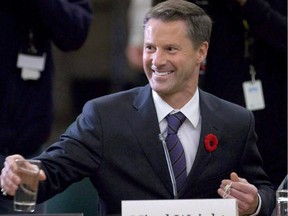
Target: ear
x,y
202,51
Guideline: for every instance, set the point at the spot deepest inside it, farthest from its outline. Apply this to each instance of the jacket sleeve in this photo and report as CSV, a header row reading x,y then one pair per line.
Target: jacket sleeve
x,y
76,155
66,21
251,166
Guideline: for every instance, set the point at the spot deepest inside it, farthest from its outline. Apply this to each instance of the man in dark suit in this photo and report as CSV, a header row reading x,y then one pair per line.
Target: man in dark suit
x,y
118,140
261,42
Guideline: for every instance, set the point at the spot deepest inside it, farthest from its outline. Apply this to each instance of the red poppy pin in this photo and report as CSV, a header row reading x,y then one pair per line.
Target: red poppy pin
x,y
210,142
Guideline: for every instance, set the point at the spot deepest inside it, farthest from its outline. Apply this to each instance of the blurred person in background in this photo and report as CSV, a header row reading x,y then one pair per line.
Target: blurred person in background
x,y
267,52
136,13
134,49
26,69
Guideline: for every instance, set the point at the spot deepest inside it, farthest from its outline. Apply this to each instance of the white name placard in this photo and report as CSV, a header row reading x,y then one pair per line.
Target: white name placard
x,y
191,207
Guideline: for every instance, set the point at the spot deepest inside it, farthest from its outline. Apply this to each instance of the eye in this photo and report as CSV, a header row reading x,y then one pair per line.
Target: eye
x,y
172,49
149,49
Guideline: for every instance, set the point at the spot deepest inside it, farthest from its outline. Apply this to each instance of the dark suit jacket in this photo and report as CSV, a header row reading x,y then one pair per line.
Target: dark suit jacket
x,y
115,143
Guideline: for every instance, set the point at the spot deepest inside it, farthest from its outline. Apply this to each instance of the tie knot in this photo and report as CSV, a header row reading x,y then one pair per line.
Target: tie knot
x,y
175,121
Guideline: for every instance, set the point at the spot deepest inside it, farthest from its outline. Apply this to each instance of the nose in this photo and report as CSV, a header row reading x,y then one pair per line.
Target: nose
x,y
159,58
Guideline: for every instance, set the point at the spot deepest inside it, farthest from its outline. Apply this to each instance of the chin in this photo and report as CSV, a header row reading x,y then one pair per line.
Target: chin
x,y
160,89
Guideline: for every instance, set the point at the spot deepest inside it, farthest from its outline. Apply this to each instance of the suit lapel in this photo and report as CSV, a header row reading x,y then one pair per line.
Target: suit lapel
x,y
211,123
145,124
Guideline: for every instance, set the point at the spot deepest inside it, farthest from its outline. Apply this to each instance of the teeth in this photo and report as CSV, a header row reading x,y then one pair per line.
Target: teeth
x,y
162,73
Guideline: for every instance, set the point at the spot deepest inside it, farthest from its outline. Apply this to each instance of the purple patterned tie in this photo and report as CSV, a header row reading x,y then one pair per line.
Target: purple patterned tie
x,y
175,148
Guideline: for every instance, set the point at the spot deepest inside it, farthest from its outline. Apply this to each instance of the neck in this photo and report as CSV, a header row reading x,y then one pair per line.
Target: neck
x,y
177,101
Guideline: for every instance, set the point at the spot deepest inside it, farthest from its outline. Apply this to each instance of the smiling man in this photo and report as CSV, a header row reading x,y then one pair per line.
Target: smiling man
x,y
207,146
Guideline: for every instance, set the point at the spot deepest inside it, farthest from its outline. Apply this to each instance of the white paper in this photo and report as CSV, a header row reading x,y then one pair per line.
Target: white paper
x,y
191,207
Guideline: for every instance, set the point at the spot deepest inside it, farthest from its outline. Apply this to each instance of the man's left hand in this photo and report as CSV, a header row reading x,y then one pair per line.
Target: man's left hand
x,y
240,189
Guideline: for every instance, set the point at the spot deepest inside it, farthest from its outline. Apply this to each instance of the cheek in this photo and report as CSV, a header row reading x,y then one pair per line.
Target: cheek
x,y
146,60
146,64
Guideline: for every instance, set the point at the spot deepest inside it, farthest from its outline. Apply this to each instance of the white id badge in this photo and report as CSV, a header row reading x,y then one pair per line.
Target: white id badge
x,y
253,94
31,61
31,65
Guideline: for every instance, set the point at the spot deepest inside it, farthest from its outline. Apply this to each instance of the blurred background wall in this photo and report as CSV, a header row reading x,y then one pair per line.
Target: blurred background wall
x,y
98,68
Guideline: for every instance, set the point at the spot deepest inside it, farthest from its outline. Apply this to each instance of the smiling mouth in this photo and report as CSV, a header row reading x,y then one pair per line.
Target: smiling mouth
x,y
162,73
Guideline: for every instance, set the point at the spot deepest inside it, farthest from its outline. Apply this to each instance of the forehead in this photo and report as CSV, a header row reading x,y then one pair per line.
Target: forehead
x,y
165,29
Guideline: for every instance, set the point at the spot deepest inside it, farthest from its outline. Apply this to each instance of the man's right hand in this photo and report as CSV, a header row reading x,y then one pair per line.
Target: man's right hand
x,y
9,179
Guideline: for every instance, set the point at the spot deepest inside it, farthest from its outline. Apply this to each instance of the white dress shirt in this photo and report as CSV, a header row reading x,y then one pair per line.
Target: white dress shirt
x,y
189,132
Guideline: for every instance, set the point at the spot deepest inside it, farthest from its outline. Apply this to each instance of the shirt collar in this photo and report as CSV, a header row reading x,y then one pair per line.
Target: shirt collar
x,y
191,109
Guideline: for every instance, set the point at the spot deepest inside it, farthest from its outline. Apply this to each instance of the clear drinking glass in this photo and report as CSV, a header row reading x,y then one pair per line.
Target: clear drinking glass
x,y
282,202
26,194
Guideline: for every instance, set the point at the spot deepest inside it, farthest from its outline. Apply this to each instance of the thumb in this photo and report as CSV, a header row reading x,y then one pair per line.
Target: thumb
x,y
234,177
42,175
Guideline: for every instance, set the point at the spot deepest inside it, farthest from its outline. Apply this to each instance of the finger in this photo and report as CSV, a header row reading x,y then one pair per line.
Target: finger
x,y
224,183
9,181
225,190
14,157
236,178
10,162
243,188
232,188
225,195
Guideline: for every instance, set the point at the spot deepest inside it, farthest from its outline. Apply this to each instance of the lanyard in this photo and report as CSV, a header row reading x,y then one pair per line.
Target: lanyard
x,y
248,43
31,40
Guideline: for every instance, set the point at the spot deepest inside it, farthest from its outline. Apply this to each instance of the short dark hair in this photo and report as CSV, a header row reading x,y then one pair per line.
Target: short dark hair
x,y
199,24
